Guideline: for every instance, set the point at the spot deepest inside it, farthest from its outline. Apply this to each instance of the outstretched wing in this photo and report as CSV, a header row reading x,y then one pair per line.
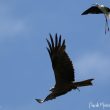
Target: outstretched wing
x,y
51,96
92,10
61,63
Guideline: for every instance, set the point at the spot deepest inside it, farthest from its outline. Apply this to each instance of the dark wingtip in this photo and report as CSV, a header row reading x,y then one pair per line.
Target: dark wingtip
x,y
56,40
50,34
59,42
49,44
91,81
52,42
83,13
63,44
39,100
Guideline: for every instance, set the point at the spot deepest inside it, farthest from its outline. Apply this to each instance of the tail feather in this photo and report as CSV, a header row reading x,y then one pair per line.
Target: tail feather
x,y
84,83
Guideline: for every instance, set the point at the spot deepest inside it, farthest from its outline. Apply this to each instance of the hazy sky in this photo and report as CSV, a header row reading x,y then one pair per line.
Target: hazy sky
x,y
25,67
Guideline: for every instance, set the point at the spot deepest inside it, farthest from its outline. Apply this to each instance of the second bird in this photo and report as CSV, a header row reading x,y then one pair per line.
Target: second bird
x,y
99,9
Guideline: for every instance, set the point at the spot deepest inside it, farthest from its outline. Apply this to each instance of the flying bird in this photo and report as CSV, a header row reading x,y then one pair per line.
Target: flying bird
x,y
99,9
63,70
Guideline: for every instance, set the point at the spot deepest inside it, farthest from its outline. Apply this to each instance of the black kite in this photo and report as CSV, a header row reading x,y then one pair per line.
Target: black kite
x,y
63,70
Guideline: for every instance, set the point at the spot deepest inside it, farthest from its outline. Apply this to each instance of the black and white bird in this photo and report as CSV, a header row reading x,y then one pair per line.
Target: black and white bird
x,y
99,9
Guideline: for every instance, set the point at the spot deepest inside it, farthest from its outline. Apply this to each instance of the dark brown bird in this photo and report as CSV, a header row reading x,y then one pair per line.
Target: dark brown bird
x,y
99,9
63,70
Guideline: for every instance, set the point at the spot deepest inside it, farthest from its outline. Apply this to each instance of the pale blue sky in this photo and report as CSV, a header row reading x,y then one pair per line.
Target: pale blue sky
x,y
25,67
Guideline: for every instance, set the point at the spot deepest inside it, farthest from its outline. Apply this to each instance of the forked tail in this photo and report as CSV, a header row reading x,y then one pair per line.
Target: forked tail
x,y
83,83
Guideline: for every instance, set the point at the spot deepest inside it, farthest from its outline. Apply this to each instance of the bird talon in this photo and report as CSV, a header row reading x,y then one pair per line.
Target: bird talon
x,y
78,89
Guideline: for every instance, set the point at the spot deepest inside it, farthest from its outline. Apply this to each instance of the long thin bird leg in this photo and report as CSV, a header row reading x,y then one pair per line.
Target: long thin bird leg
x,y
106,25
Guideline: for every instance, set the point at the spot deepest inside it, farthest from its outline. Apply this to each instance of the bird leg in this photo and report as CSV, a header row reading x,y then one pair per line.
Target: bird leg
x,y
106,25
78,89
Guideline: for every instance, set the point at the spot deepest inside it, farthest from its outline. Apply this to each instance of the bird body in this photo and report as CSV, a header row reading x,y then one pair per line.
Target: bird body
x,y
63,70
105,10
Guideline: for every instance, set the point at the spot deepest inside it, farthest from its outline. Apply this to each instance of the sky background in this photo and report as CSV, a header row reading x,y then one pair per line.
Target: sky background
x,y
25,67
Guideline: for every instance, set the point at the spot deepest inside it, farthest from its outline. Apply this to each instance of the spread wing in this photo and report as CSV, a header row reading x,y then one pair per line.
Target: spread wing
x,y
92,10
61,63
51,96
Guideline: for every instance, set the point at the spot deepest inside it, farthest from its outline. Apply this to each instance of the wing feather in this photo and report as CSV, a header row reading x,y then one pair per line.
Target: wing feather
x,y
50,47
59,43
92,10
52,42
49,52
56,41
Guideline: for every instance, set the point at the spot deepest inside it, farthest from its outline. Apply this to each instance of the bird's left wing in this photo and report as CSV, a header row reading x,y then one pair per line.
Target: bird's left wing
x,y
51,96
92,10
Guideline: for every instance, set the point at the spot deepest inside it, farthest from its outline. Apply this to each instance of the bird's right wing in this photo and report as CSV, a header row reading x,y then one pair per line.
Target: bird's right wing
x,y
61,63
92,10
